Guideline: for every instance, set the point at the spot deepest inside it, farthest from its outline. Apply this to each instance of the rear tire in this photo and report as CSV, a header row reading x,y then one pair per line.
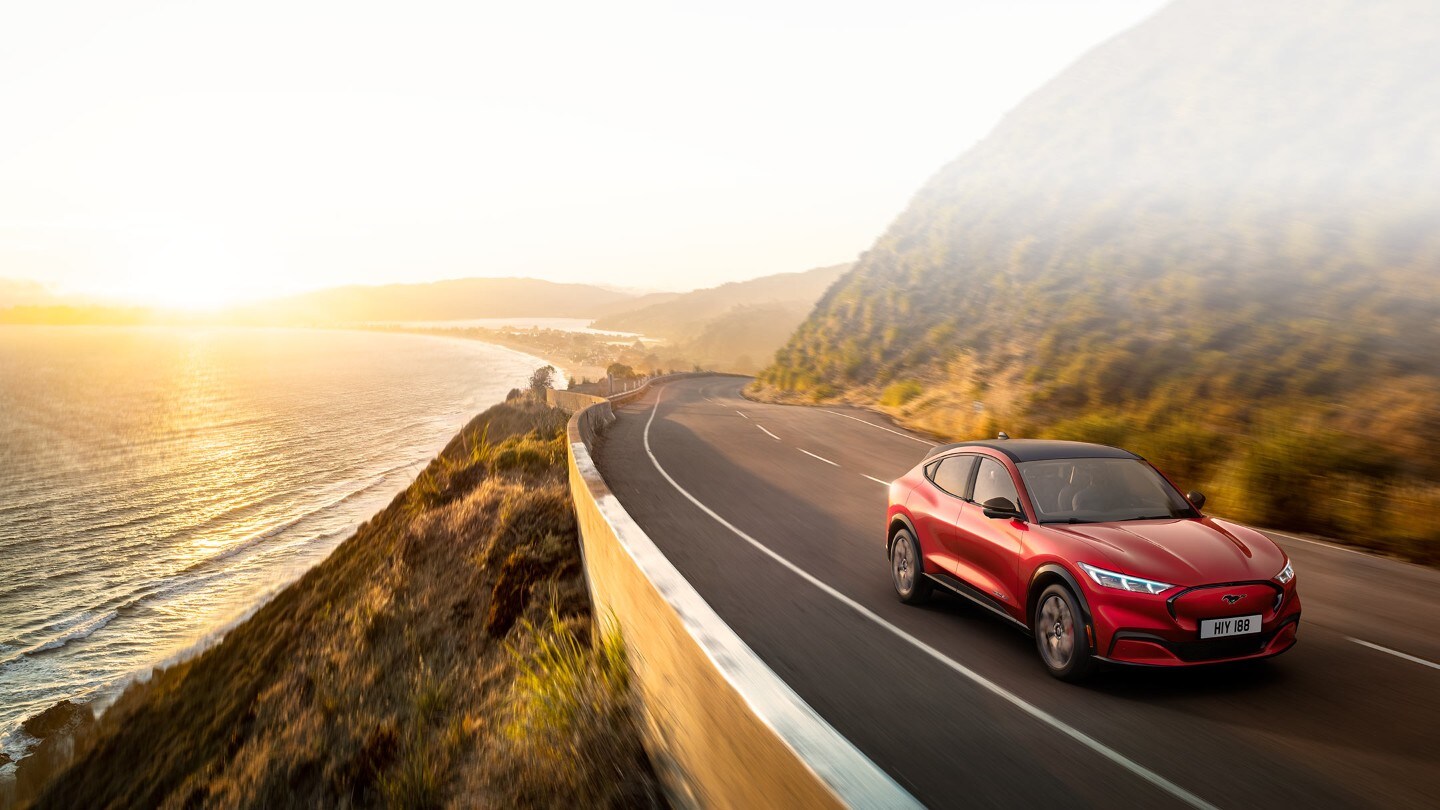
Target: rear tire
x,y
1060,635
907,569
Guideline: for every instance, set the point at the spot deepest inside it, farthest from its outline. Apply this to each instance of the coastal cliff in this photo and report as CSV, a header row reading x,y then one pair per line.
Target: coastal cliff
x,y
440,656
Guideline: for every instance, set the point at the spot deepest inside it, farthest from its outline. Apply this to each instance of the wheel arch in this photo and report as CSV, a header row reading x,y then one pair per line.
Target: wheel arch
x,y
898,521
1046,575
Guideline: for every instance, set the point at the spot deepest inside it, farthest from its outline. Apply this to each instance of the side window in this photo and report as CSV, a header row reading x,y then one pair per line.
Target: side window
x,y
994,482
953,474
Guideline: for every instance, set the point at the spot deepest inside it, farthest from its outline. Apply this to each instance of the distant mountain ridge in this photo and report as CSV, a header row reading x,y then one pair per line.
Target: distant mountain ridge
x,y
458,299
683,317
732,327
24,293
1212,238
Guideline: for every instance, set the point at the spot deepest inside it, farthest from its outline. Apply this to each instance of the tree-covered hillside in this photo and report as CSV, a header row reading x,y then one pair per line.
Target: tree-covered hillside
x,y
1213,239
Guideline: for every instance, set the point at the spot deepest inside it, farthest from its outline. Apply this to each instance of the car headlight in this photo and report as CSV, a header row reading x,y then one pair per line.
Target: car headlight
x,y
1125,582
1286,574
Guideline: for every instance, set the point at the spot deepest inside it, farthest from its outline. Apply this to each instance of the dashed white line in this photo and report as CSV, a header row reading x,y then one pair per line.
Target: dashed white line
x,y
980,680
822,458
1395,653
881,427
876,480
742,413
768,433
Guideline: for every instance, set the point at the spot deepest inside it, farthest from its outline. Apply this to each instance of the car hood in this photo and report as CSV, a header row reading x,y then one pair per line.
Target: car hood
x,y
1182,552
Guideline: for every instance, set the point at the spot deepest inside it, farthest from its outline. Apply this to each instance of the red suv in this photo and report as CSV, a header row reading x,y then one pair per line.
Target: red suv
x,y
1091,550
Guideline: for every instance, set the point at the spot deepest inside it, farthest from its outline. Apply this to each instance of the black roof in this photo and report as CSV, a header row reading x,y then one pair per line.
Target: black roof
x,y
1039,449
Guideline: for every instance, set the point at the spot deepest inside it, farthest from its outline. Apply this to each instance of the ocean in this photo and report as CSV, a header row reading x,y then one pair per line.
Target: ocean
x,y
157,484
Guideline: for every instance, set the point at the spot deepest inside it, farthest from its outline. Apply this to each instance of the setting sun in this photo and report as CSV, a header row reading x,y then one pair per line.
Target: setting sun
x,y
197,271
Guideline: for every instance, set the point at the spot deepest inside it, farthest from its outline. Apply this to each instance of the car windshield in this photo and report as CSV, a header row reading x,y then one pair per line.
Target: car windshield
x,y
1100,490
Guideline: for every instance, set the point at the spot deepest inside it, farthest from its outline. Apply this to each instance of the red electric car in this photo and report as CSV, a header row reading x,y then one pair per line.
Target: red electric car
x,y
1091,550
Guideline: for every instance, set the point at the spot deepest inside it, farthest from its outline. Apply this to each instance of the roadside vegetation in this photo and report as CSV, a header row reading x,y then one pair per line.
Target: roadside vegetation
x,y
445,655
1329,427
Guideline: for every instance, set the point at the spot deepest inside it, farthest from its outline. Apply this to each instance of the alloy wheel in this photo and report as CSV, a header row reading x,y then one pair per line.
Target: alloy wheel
x,y
1056,627
902,566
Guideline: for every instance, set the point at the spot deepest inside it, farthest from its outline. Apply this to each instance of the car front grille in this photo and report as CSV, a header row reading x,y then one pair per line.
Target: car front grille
x,y
1217,648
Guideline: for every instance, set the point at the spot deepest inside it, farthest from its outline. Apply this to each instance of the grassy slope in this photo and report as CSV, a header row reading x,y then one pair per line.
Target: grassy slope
x,y
439,656
1208,240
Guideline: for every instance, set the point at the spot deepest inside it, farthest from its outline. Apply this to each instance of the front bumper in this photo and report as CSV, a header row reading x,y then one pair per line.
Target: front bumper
x,y
1161,631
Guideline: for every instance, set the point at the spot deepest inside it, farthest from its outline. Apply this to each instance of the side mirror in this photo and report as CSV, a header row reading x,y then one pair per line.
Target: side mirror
x,y
1002,509
1196,499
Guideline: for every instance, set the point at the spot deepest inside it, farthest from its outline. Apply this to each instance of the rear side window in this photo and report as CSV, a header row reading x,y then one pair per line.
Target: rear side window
x,y
994,481
952,474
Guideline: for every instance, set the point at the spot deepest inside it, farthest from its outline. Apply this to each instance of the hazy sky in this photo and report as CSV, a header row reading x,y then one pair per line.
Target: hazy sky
x,y
200,152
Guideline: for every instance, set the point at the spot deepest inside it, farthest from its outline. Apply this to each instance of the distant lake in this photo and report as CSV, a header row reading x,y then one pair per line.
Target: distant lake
x,y
157,483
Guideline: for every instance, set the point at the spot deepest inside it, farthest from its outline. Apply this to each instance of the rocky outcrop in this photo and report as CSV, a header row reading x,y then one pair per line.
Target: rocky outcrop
x,y
61,729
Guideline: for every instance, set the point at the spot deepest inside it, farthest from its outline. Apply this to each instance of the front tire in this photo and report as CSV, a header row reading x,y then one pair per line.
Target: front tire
x,y
1060,635
907,569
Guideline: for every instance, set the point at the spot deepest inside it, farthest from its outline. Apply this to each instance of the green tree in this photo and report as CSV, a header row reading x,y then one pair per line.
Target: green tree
x,y
542,379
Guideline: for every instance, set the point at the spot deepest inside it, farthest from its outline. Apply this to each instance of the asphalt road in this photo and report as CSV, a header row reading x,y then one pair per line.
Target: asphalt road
x,y
776,515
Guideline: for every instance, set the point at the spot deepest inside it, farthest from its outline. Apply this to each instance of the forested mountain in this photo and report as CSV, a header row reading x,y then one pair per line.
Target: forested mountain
x,y
459,299
1212,239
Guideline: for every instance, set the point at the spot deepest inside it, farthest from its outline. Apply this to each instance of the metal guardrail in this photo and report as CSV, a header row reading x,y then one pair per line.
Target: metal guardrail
x,y
722,729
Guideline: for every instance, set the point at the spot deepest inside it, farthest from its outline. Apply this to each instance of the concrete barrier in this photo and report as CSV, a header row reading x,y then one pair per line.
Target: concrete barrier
x,y
721,727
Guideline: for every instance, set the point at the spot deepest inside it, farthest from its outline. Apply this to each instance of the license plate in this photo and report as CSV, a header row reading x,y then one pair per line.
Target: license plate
x,y
1233,626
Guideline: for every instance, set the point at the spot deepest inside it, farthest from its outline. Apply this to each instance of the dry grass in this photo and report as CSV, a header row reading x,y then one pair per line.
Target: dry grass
x,y
403,670
568,696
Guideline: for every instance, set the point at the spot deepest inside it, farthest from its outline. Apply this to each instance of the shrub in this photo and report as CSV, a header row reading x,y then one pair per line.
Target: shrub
x,y
899,393
1094,427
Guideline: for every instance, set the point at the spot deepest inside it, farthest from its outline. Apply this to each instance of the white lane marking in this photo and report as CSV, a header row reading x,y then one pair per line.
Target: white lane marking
x,y
1395,653
742,413
822,458
980,680
876,480
1331,546
882,427
768,433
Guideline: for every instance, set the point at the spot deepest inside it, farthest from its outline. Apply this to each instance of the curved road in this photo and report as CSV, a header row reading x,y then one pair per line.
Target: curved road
x,y
776,515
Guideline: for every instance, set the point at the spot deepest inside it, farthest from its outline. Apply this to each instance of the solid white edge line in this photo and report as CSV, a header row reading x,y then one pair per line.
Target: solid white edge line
x,y
980,680
882,427
851,775
1395,653
822,458
1331,546
876,480
768,433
